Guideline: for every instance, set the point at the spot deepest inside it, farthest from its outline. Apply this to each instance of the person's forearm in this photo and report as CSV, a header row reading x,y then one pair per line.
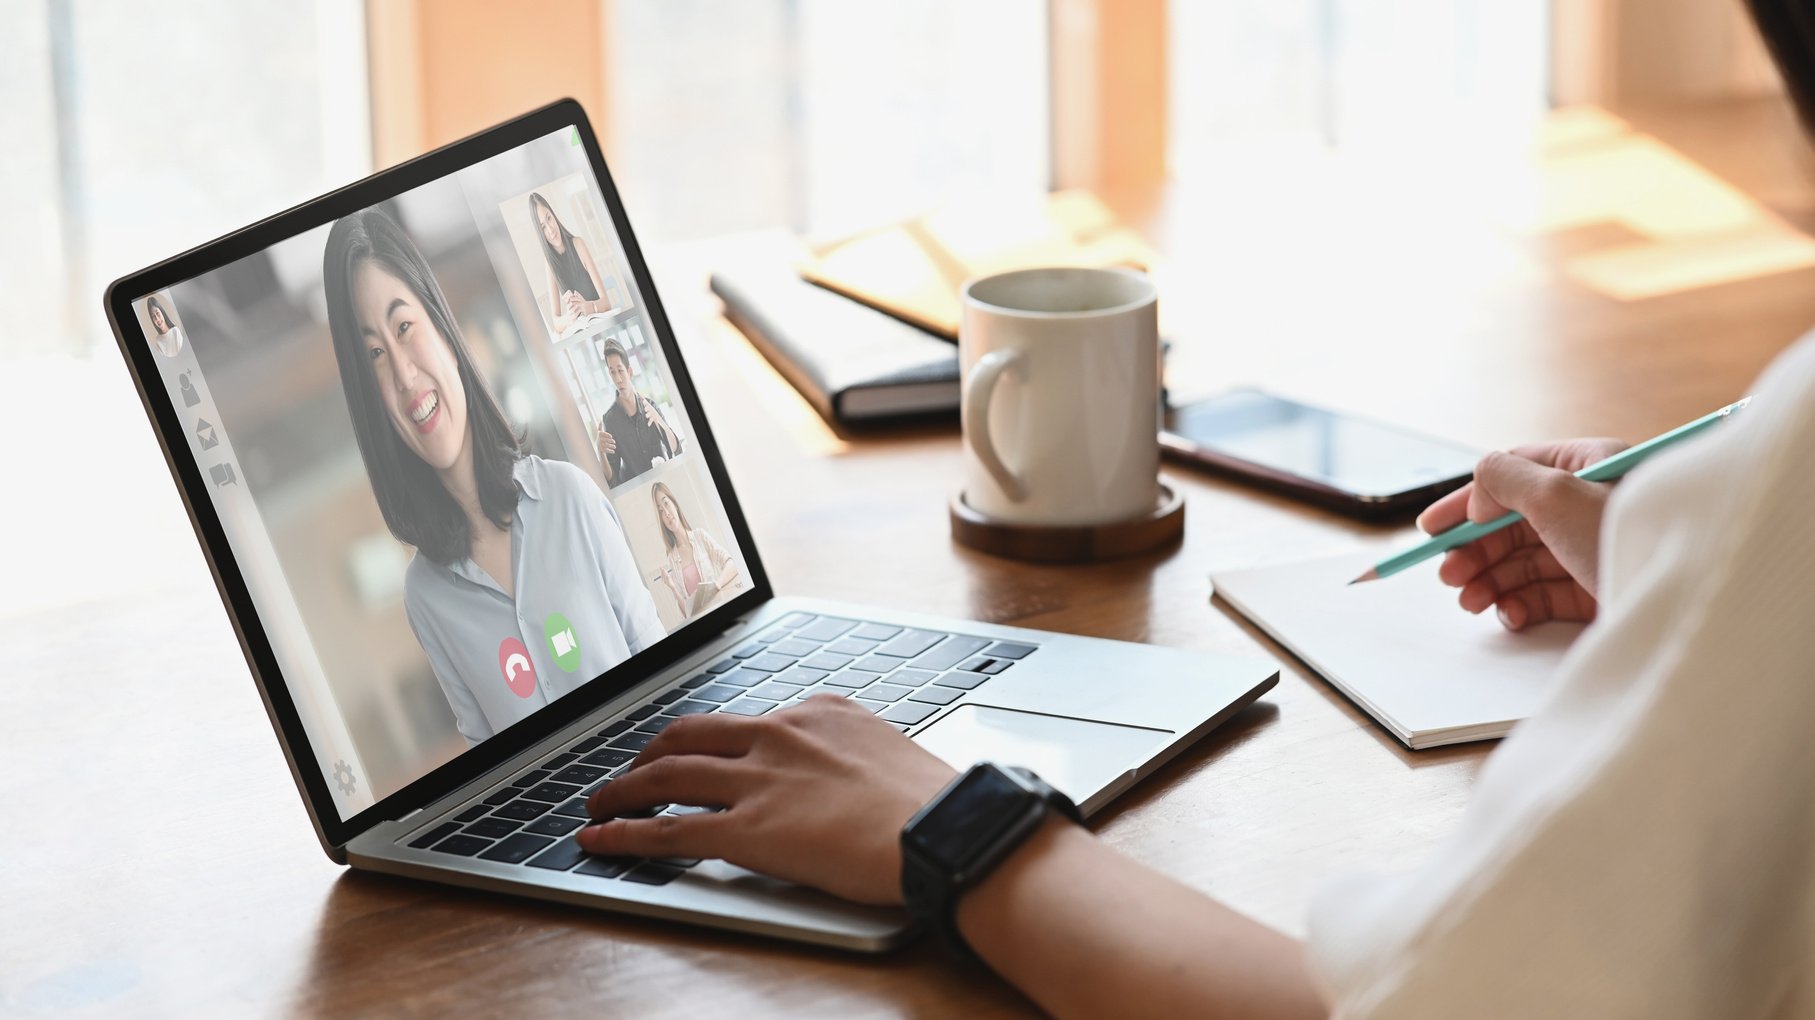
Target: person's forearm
x,y
1084,931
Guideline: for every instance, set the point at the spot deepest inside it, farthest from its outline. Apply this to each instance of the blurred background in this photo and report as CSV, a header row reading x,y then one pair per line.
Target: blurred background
x,y
137,131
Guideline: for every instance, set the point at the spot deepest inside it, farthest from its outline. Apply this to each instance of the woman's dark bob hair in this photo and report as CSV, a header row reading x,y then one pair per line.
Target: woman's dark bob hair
x,y
416,506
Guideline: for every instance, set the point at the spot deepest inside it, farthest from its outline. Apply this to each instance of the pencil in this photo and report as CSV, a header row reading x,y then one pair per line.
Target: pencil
x,y
1600,471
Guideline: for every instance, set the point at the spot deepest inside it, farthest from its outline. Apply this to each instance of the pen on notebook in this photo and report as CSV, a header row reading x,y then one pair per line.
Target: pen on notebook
x,y
1601,471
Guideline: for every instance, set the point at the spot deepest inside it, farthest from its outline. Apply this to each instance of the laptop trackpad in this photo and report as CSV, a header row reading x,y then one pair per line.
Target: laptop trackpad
x,y
1079,756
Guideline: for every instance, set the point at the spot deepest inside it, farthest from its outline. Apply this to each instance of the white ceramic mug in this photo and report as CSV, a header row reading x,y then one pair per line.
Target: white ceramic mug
x,y
1061,395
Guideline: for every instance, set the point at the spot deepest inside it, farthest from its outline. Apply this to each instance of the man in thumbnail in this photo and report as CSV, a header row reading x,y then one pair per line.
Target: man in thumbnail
x,y
633,434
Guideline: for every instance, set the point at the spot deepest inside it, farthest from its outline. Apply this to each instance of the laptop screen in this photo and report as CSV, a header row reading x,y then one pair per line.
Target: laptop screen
x,y
450,456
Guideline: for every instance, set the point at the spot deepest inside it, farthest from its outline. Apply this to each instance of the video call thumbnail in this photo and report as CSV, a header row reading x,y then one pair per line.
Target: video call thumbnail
x,y
447,450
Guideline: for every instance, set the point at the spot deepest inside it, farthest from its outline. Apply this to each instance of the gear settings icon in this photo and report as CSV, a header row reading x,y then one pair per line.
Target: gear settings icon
x,y
343,778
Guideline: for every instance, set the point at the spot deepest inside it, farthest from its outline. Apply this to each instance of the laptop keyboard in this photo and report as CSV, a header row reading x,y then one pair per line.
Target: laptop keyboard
x,y
903,674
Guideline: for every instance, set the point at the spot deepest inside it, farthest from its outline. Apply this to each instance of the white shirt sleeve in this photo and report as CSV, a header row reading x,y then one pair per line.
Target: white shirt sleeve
x,y
1643,846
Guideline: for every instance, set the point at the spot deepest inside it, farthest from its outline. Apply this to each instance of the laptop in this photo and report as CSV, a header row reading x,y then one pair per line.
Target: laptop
x,y
464,508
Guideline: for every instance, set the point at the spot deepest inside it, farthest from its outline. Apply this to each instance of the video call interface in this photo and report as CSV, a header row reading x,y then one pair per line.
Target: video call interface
x,y
449,454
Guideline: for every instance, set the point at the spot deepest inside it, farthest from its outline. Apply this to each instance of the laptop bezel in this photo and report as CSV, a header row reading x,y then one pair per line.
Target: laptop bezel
x,y
333,831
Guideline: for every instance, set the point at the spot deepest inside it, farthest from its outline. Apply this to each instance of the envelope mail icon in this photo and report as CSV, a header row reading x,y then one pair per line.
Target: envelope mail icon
x,y
204,433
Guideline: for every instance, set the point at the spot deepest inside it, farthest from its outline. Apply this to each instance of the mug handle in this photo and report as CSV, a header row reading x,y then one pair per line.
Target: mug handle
x,y
977,398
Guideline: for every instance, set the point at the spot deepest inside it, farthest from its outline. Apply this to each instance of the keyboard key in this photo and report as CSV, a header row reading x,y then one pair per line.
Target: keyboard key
x,y
553,793
563,855
1010,650
909,714
473,814
669,697
522,810
699,681
794,647
643,713
529,779
875,632
718,693
742,677
437,834
586,745
950,652
575,808
651,873
749,706
937,695
826,661
676,862
605,867
911,677
722,666
748,650
553,825
773,634
793,620
594,788
517,849
655,725
559,761
885,692
805,676
613,729
608,757
911,643
985,664
775,692
632,741
689,708
492,828
961,680
873,706
462,844
850,678
876,663
824,629
851,646
503,796
580,775
768,662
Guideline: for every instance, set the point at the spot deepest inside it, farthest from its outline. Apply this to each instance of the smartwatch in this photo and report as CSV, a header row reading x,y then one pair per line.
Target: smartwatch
x,y
964,833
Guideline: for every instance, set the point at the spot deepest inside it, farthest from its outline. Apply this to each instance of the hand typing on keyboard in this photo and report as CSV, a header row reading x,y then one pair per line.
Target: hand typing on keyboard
x,y
816,794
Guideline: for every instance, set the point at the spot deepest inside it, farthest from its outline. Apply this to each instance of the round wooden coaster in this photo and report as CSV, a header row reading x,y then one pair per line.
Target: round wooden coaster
x,y
1045,543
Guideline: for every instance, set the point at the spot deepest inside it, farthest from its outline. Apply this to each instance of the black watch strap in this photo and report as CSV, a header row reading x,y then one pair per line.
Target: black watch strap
x,y
969,847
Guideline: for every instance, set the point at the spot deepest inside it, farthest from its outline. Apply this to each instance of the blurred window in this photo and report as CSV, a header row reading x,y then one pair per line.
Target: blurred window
x,y
822,115
135,131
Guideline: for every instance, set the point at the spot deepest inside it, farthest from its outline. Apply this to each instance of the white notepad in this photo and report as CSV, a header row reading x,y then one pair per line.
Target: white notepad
x,y
1401,648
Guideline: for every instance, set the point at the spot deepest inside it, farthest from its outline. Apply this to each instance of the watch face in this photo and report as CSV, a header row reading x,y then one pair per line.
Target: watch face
x,y
973,814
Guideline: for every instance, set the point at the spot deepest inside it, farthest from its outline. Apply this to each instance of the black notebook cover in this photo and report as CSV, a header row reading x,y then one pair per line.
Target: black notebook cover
x,y
853,363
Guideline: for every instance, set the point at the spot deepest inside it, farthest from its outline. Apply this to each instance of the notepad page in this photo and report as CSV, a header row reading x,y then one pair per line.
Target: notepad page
x,y
1401,648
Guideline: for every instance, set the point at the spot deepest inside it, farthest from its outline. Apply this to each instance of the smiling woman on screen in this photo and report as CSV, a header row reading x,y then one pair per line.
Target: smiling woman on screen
x,y
522,587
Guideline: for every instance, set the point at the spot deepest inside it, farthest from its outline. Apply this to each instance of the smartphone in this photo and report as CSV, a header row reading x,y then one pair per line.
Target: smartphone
x,y
1360,467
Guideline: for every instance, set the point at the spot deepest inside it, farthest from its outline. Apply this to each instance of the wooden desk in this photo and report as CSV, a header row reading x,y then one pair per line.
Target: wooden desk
x,y
157,861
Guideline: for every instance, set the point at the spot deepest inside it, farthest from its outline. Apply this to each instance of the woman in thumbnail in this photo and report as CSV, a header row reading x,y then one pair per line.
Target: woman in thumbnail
x,y
522,587
574,286
698,567
168,338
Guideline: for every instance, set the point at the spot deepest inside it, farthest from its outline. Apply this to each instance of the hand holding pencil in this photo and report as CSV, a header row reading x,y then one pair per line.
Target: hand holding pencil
x,y
1524,536
1540,568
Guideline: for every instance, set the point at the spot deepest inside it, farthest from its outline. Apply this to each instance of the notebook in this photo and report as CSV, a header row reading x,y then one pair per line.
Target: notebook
x,y
1401,648
853,363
